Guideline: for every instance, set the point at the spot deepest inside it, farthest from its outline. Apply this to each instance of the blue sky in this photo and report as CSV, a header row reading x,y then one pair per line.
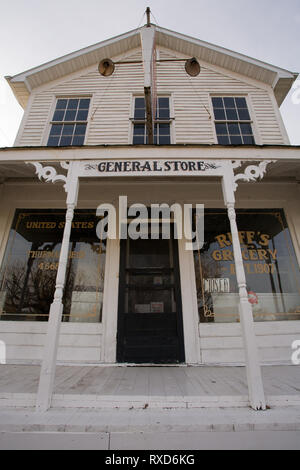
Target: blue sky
x,y
33,32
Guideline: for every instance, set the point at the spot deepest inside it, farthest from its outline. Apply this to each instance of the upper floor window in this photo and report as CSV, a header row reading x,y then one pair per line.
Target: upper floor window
x,y
69,122
162,125
233,122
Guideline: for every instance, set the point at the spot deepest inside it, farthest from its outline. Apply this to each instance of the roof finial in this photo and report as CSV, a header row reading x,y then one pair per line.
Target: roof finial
x,y
148,13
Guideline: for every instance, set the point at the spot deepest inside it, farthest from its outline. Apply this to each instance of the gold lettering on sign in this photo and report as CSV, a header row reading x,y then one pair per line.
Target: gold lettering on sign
x,y
36,225
48,266
246,238
248,255
41,225
249,252
54,254
256,268
78,225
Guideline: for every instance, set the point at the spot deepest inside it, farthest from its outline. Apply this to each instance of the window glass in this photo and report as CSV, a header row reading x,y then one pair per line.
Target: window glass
x,y
220,114
241,102
70,115
59,115
271,267
56,129
234,129
82,115
68,129
217,102
61,104
29,269
162,131
229,103
244,115
69,111
84,103
229,116
78,140
72,104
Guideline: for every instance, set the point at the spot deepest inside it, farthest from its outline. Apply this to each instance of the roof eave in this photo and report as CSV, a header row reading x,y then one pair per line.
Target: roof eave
x,y
283,86
279,79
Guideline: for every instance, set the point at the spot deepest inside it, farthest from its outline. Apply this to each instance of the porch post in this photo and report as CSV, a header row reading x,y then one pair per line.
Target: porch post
x,y
253,368
47,375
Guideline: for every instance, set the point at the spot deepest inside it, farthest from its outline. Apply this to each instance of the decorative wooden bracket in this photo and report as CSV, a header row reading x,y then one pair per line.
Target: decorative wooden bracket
x,y
251,172
49,173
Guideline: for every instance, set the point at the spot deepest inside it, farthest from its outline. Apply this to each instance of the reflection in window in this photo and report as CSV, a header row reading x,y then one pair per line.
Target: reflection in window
x,y
272,270
29,269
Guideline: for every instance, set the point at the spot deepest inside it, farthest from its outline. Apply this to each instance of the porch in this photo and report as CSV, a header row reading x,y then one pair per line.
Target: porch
x,y
113,387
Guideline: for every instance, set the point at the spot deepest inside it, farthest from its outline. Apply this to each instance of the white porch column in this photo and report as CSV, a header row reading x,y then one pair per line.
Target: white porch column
x,y
110,302
47,375
253,368
189,303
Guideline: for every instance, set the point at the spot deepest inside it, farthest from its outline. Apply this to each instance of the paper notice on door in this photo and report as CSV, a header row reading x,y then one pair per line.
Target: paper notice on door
x,y
217,286
142,308
157,307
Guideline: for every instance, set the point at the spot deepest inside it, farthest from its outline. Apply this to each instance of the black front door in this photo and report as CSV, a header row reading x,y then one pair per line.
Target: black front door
x,y
150,327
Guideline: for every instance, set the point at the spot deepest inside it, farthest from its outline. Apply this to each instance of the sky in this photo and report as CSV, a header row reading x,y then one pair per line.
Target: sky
x,y
33,32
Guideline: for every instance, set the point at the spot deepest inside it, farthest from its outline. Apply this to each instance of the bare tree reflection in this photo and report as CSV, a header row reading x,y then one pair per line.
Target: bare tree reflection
x,y
29,297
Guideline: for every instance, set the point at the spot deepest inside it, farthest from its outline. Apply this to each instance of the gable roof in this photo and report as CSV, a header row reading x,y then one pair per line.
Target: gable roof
x,y
279,79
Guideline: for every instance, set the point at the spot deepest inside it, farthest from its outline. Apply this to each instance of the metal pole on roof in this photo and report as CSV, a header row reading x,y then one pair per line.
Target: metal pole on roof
x,y
148,13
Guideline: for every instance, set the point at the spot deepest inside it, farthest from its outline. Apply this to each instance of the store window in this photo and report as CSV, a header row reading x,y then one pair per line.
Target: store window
x,y
271,266
29,268
232,120
162,126
69,122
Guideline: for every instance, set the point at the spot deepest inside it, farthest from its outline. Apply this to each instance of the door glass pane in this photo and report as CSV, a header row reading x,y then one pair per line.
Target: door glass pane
x,y
149,277
148,254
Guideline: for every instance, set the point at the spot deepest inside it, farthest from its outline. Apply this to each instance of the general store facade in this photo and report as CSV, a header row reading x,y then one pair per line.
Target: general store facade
x,y
219,140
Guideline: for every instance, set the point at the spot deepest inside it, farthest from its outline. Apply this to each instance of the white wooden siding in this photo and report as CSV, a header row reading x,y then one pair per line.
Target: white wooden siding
x,y
220,344
223,343
112,96
79,342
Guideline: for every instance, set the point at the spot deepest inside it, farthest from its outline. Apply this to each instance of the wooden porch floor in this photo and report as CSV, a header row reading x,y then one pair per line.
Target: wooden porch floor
x,y
88,386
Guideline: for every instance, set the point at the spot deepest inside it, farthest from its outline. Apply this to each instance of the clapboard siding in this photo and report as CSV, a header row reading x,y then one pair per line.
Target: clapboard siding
x,y
78,342
223,343
220,343
111,104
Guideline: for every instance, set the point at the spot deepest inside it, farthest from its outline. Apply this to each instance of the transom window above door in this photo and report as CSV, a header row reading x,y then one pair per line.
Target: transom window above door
x,y
232,120
162,125
69,122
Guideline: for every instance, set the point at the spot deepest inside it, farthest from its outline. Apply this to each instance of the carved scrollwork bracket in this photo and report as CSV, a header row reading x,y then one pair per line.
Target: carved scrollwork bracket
x,y
251,172
49,173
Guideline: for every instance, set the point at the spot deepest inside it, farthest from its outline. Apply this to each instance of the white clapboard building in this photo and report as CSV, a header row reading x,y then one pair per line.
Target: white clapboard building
x,y
111,133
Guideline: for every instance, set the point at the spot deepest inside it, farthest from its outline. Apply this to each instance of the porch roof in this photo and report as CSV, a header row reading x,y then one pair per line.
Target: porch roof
x,y
286,158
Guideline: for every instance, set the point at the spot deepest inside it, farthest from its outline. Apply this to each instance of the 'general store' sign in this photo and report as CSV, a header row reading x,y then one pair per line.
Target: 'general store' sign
x,y
151,167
